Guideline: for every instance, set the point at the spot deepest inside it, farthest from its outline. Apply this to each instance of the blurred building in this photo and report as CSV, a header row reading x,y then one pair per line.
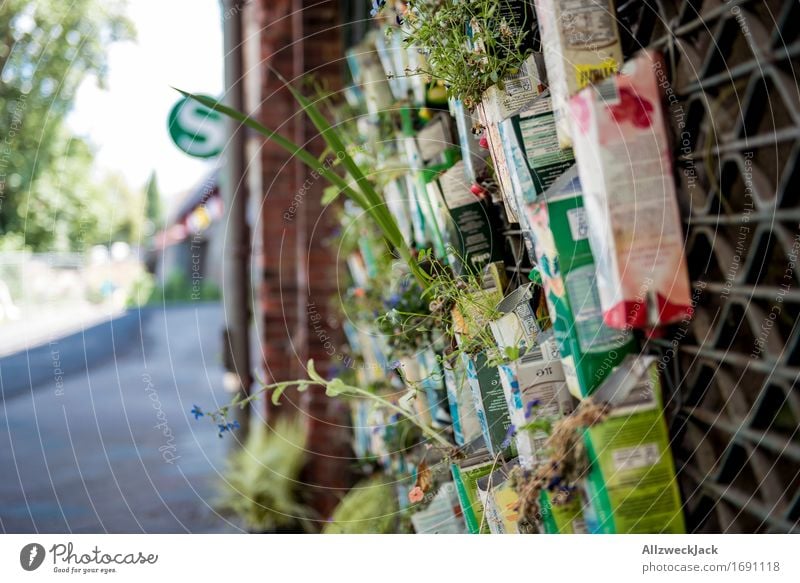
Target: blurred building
x,y
189,248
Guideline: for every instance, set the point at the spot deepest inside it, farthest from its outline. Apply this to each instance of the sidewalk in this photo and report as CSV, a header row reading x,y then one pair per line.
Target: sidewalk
x,y
114,448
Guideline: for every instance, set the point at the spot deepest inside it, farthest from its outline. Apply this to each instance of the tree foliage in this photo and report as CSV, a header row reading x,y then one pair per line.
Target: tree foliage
x,y
47,48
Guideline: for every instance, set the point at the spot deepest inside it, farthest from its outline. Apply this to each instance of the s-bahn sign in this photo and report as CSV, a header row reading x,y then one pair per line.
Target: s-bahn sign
x,y
196,129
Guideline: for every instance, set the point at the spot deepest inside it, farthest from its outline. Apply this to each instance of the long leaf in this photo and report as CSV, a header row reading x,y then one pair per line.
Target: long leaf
x,y
302,154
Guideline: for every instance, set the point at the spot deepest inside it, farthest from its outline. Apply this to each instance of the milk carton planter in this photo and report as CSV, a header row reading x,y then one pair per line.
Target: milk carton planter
x,y
562,517
580,41
631,485
517,328
490,402
531,147
589,348
469,230
625,166
535,390
466,426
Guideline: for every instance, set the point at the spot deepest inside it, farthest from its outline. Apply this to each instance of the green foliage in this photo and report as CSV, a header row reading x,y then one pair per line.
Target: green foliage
x,y
152,211
468,64
358,189
368,508
47,48
141,290
262,485
179,288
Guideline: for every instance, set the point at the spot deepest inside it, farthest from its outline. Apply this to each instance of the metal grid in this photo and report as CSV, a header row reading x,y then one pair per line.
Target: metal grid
x,y
731,375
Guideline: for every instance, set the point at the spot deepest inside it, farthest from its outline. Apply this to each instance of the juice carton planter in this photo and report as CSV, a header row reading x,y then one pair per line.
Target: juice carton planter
x,y
589,348
580,41
624,162
631,484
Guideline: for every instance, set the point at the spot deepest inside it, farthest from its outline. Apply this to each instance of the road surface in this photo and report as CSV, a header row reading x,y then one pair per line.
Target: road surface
x,y
115,449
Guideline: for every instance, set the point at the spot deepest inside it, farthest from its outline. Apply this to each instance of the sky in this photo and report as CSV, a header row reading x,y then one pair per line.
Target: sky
x,y
179,43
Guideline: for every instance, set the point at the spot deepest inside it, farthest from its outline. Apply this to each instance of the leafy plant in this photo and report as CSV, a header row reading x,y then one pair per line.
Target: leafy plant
x,y
359,189
262,484
370,507
469,44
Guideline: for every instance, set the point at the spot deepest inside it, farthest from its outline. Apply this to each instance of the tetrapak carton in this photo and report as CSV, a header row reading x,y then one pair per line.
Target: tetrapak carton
x,y
631,483
580,41
490,402
466,426
535,389
516,327
499,102
532,150
589,348
624,161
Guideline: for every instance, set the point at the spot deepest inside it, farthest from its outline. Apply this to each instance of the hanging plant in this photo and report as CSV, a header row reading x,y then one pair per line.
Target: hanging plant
x,y
358,188
470,45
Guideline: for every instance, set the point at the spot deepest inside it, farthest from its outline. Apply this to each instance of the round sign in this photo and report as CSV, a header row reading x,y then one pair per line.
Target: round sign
x,y
196,129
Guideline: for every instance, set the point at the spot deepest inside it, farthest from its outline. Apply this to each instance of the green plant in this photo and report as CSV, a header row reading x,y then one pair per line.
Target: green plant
x,y
262,484
470,44
370,507
359,189
333,388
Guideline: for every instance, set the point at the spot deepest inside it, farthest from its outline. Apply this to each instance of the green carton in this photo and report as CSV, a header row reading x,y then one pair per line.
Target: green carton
x,y
589,349
562,518
466,474
532,150
631,483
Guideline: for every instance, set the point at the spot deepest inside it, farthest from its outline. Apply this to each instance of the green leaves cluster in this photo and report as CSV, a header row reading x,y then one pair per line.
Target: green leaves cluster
x,y
470,44
47,48
358,188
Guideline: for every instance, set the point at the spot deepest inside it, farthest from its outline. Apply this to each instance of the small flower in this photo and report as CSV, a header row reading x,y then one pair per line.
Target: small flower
x,y
392,301
416,495
197,412
223,427
554,482
505,29
512,430
529,407
396,365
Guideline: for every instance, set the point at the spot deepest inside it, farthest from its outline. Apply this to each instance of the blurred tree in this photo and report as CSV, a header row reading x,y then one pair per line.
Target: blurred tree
x,y
47,48
152,211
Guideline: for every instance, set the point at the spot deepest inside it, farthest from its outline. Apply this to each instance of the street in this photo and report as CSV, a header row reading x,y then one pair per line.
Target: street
x,y
114,448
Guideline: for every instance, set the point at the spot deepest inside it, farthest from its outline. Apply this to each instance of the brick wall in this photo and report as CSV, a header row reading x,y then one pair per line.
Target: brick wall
x,y
299,274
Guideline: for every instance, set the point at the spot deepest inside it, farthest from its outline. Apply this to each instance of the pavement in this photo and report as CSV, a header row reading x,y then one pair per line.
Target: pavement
x,y
108,444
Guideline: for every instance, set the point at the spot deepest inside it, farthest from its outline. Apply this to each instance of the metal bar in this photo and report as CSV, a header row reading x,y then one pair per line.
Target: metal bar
x,y
741,500
766,439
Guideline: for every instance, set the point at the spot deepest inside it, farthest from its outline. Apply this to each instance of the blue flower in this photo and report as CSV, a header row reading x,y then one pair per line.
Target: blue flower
x,y
396,365
197,412
223,427
376,7
529,407
512,430
392,301
554,482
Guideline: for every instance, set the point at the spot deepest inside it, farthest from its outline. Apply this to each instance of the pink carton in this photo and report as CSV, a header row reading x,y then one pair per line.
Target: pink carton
x,y
623,155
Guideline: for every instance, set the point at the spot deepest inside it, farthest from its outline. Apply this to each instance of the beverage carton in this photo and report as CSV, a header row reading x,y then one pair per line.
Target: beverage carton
x,y
625,167
589,348
580,41
631,483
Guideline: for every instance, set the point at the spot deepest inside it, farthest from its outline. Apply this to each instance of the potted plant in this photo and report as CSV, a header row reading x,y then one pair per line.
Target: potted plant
x,y
262,485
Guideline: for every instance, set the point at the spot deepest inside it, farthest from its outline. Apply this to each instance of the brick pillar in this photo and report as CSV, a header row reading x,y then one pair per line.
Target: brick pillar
x,y
299,273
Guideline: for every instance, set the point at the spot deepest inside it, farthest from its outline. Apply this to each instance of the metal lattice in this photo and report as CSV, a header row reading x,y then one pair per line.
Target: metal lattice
x,y
732,398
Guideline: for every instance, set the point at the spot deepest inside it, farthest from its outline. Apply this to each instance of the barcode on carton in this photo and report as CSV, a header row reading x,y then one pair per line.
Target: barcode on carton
x,y
608,92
